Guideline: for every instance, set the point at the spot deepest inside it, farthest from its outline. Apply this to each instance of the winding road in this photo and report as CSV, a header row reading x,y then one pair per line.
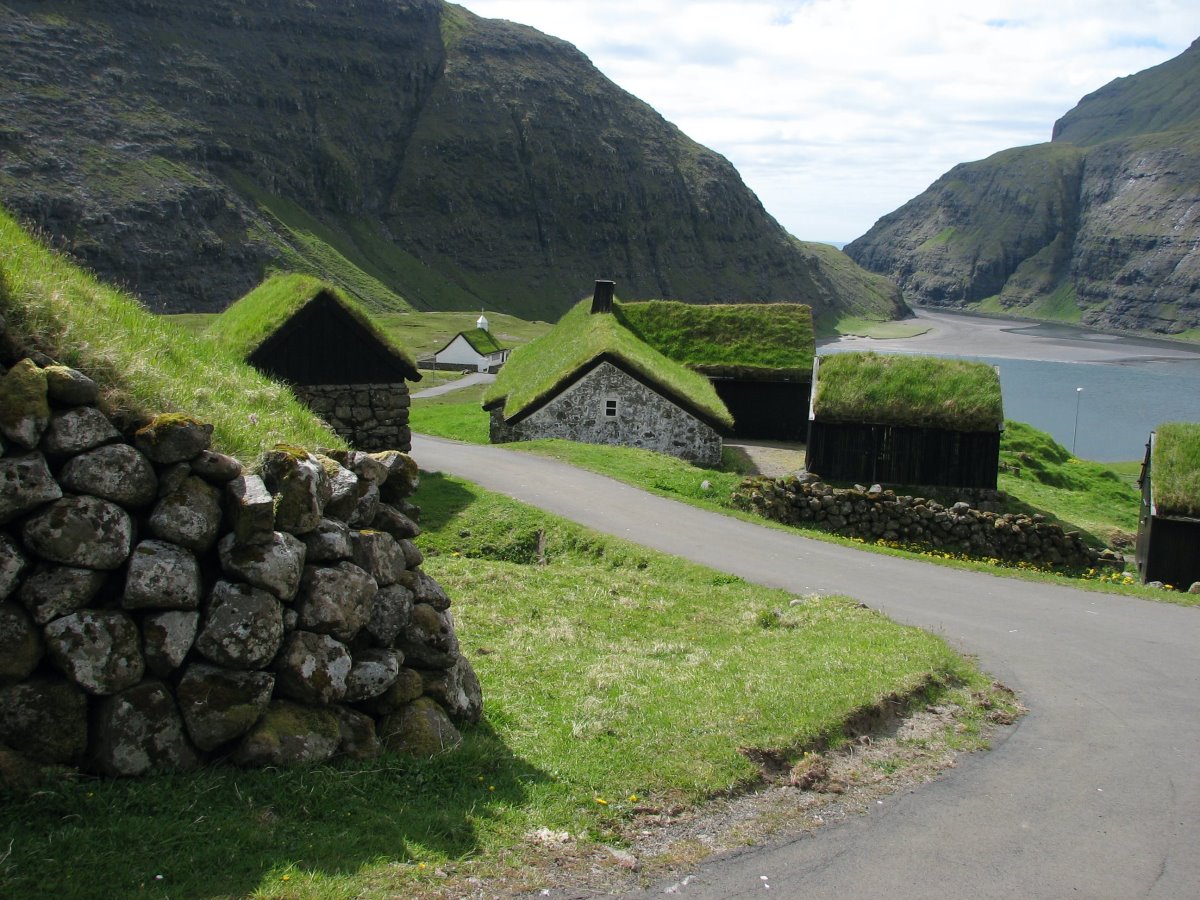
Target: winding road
x,y
1096,792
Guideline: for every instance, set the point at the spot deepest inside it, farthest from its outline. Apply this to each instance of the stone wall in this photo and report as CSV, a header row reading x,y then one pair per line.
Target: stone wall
x,y
877,515
369,416
643,419
161,606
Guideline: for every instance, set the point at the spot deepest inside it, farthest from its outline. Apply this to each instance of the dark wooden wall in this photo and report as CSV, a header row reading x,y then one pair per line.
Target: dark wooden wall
x,y
893,454
1168,548
766,410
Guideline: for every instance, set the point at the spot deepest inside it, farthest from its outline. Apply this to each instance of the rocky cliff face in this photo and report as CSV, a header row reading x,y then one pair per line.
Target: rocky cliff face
x,y
405,149
1098,226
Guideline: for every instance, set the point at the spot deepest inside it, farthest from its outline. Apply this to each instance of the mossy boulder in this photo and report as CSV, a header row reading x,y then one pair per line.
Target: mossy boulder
x,y
116,472
162,575
300,485
289,734
359,738
313,668
45,720
25,484
421,729
173,437
219,705
99,651
81,531
76,430
274,565
190,515
243,627
52,591
21,647
70,387
24,404
139,731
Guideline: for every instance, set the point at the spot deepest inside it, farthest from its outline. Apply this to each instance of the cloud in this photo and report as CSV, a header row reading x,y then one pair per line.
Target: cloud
x,y
837,111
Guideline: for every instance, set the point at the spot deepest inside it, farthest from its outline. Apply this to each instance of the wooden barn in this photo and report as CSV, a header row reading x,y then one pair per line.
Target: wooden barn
x,y
908,420
309,334
1168,541
477,350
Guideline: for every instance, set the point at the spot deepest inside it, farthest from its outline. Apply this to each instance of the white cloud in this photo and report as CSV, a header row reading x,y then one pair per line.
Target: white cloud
x,y
838,111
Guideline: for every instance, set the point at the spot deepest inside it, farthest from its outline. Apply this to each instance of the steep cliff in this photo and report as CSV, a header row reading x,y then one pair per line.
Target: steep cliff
x,y
405,149
1099,226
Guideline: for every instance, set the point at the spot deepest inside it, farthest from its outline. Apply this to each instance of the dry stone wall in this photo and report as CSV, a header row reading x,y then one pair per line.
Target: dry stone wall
x,y
161,606
369,416
877,515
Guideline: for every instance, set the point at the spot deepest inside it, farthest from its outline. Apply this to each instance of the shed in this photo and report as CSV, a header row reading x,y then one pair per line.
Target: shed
x,y
476,349
915,420
1168,541
303,331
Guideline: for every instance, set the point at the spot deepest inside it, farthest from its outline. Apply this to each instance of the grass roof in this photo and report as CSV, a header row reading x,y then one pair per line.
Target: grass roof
x,y
144,363
245,325
482,341
537,370
927,391
1175,469
764,341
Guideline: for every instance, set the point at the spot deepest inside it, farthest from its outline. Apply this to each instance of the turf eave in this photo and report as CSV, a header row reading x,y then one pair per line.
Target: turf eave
x,y
1175,470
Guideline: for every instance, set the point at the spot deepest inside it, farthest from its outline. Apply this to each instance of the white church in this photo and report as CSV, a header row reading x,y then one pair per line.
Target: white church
x,y
477,349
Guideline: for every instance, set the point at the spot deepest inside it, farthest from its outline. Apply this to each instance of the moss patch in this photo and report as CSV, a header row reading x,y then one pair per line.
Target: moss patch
x,y
23,401
1175,469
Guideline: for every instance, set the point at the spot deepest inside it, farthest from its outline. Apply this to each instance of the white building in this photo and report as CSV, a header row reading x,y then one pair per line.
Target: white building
x,y
476,349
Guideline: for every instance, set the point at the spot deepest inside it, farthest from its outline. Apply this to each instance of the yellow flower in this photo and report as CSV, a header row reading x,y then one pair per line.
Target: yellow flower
x,y
601,801
633,798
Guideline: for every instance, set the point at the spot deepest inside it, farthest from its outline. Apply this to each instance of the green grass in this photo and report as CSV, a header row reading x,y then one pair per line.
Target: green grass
x,y
1175,469
908,390
855,326
145,363
598,661
427,332
458,415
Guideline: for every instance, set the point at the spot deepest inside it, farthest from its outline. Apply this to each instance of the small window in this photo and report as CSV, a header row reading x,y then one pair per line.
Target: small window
x,y
610,409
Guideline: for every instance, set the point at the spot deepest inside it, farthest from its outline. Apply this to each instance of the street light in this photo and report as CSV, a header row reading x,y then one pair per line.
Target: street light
x,y
1075,433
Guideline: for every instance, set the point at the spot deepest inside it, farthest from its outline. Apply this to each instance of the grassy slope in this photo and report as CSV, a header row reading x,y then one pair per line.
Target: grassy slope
x,y
1175,469
145,363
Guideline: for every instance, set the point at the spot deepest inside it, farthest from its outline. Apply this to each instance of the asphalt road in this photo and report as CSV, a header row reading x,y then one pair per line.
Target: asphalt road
x,y
1096,792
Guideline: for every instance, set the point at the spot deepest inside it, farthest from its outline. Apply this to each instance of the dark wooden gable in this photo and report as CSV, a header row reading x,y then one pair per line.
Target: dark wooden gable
x,y
1168,547
324,344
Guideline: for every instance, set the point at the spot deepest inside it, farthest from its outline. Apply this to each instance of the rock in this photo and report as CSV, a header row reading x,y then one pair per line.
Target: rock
x,y
371,673
390,612
139,731
328,542
343,489
421,729
457,690
45,719
70,387
21,647
290,735
408,686
13,565
275,566
404,477
364,465
116,472
172,438
1195,588
166,639
312,668
19,775
250,509
219,705
336,599
429,641
171,478
77,430
99,651
359,740
53,591
162,575
243,627
425,589
412,555
394,522
80,531
25,484
379,554
24,406
301,487
213,466
189,516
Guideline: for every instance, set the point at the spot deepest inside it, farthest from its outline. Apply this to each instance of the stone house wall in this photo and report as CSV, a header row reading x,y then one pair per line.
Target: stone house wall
x,y
369,416
161,606
640,417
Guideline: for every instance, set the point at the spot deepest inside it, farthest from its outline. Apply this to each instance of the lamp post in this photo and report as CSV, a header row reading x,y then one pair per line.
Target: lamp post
x,y
1075,433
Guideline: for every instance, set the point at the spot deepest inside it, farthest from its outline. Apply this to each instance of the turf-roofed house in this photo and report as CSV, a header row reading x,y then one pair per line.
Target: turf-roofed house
x,y
591,379
909,420
303,331
1168,543
477,350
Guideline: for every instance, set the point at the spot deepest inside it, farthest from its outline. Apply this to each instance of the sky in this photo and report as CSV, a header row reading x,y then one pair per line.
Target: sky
x,y
836,112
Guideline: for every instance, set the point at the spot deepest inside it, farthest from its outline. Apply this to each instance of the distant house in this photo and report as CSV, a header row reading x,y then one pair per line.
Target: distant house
x,y
1168,541
591,379
302,331
905,420
477,349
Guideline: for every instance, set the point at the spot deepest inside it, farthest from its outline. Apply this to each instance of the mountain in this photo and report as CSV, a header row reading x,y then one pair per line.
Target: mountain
x,y
1099,226
407,150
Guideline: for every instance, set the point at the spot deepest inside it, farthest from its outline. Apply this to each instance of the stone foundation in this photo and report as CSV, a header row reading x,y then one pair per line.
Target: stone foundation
x,y
368,416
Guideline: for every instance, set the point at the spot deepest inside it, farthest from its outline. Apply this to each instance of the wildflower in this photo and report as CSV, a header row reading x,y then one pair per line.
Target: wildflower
x,y
633,798
601,801
286,878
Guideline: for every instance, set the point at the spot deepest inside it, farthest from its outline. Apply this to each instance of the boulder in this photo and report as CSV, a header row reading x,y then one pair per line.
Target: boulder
x,y
116,472
359,740
13,565
379,554
289,734
420,729
46,720
390,612
52,591
367,506
301,486
76,430
82,531
99,651
412,555
328,542
274,566
312,668
425,589
364,465
371,673
336,599
243,627
403,478
343,489
408,686
250,509
172,438
21,647
394,522
457,690
429,641
166,639
219,705
139,731
213,466
189,516
25,484
162,575
70,387
24,405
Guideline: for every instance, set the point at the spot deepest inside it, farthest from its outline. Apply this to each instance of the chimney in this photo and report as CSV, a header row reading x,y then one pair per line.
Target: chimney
x,y
602,300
